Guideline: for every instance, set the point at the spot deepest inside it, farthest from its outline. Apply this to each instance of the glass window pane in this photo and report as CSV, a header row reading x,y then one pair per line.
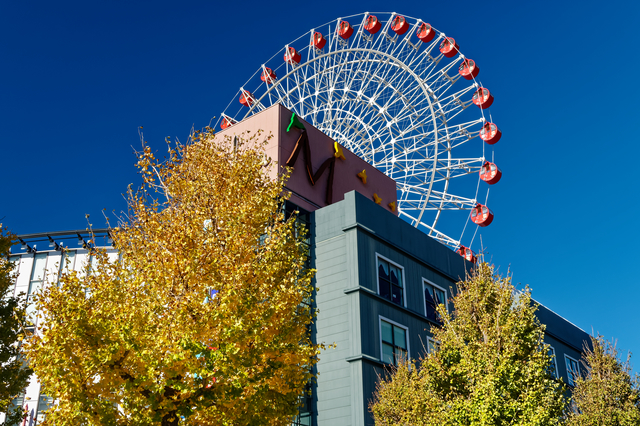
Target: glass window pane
x,y
439,295
572,370
14,260
400,337
69,261
398,276
386,332
385,291
91,266
44,403
428,295
394,275
387,353
383,270
37,273
401,355
431,312
552,363
396,296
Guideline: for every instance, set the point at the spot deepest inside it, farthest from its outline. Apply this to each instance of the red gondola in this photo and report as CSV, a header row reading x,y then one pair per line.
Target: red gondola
x,y
490,133
490,173
226,122
268,76
372,24
481,215
399,25
483,98
467,253
468,69
345,30
292,56
425,32
318,40
246,98
449,47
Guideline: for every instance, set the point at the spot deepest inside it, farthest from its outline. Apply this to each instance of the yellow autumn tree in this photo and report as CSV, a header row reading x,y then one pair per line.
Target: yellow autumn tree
x,y
202,320
491,366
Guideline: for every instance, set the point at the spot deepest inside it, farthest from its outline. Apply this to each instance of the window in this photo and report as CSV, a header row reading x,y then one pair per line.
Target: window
x,y
553,365
433,296
573,370
390,281
44,403
18,401
35,283
432,345
15,260
67,263
393,342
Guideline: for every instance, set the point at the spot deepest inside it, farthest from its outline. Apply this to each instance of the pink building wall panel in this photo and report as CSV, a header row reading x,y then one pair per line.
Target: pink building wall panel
x,y
274,121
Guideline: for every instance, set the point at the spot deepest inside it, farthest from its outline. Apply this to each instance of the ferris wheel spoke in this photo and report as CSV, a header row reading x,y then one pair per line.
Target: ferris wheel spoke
x,y
460,133
457,168
451,201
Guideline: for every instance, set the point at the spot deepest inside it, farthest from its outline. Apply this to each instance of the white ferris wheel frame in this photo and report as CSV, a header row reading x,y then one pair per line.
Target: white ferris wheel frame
x,y
403,124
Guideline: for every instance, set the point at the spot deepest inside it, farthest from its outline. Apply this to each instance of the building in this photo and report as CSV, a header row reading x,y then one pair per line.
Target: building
x,y
379,277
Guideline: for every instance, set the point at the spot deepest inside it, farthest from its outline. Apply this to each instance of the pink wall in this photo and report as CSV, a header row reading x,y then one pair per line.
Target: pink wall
x,y
274,120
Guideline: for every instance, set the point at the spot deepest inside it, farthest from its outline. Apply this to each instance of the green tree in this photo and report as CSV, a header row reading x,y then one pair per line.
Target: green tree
x,y
202,320
608,395
490,368
14,375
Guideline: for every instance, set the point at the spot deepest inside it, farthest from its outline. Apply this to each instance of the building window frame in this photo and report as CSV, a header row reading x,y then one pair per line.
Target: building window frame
x,y
554,362
571,375
425,283
406,337
379,258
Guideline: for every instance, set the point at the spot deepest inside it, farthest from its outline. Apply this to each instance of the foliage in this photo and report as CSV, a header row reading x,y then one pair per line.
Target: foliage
x,y
490,368
608,395
202,321
14,375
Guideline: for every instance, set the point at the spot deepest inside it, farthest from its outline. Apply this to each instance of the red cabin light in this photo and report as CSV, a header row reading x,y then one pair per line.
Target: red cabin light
x,y
292,56
483,98
345,30
268,76
425,32
490,173
490,133
449,47
226,122
468,69
467,253
399,25
481,215
246,98
372,24
318,40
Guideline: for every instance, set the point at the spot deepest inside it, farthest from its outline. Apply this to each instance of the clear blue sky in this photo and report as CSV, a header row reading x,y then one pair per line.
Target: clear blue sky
x,y
77,79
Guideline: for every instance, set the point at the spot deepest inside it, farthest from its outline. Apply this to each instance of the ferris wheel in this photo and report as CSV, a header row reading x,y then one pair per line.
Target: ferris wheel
x,y
400,94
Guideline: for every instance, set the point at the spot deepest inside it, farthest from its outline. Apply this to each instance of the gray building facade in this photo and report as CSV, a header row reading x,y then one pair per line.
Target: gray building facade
x,y
353,244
